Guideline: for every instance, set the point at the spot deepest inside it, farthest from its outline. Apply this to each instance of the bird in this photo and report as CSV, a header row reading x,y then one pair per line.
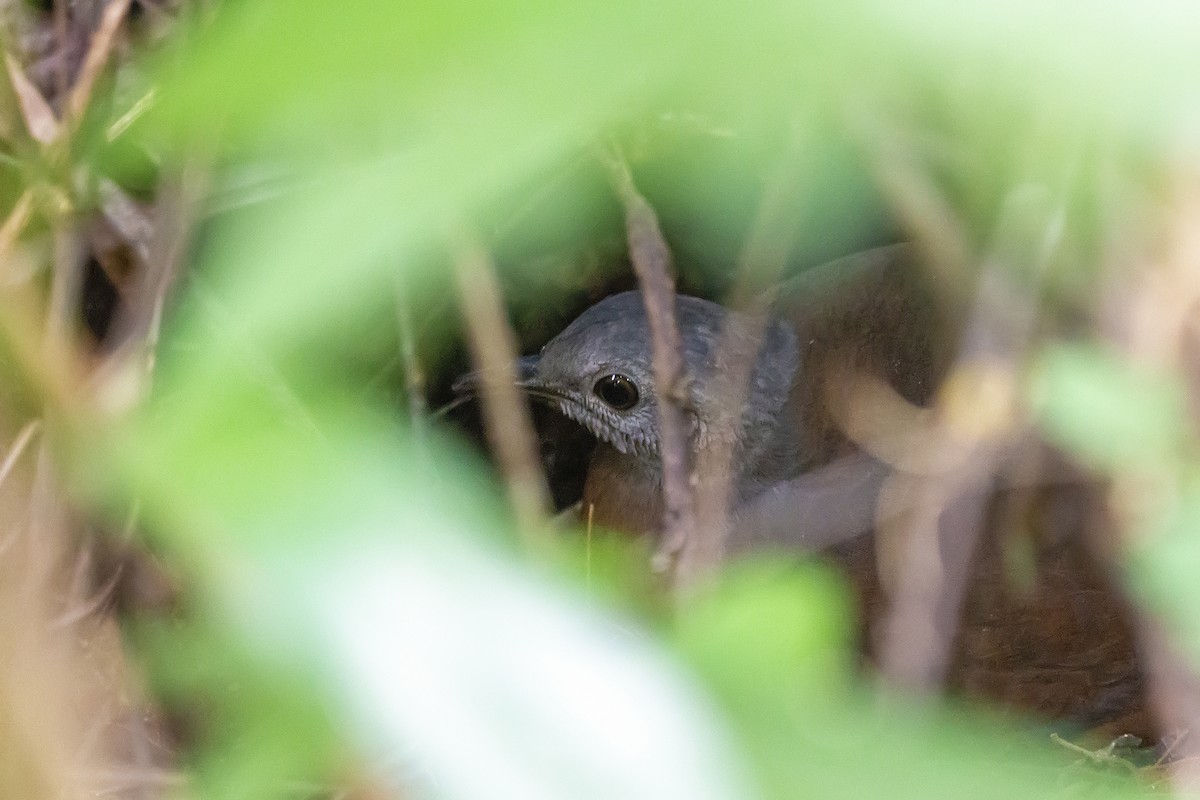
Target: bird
x,y
866,313
1058,645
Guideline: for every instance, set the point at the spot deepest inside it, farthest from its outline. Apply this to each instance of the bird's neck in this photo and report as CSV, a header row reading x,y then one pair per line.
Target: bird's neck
x,y
623,491
766,453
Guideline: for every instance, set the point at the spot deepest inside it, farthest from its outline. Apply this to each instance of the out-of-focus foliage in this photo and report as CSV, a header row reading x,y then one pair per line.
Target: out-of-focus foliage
x,y
386,630
1111,413
1131,422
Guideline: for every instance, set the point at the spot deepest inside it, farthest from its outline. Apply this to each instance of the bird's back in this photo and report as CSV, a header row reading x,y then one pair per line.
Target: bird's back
x,y
872,314
1055,640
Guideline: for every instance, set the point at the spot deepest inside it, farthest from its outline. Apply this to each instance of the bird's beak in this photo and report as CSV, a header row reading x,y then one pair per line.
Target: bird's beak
x,y
471,382
526,369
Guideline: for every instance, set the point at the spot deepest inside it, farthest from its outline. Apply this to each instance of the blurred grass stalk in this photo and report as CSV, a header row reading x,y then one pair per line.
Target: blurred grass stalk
x,y
70,721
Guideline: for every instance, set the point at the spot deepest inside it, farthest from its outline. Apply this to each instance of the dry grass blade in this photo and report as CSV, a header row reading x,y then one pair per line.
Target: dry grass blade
x,y
46,367
91,605
137,782
652,263
122,123
18,447
39,117
127,218
97,56
66,284
15,224
509,427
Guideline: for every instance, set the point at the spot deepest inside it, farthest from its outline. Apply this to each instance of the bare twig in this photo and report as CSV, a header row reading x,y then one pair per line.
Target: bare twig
x,y
19,445
816,510
652,263
493,347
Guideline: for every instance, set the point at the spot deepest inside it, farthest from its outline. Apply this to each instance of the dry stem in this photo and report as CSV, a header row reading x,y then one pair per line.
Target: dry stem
x,y
509,427
652,263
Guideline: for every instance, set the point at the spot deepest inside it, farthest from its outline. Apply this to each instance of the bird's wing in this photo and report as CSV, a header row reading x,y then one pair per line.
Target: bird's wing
x,y
868,315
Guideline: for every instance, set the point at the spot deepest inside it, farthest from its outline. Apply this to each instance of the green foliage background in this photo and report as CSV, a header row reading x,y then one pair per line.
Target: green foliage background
x,y
360,607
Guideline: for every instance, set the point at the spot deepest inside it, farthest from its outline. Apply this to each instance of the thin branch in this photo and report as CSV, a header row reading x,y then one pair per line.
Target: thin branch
x,y
816,510
509,427
19,445
652,263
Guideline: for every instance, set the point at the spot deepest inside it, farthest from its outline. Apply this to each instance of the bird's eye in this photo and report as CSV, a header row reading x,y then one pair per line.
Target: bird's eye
x,y
617,391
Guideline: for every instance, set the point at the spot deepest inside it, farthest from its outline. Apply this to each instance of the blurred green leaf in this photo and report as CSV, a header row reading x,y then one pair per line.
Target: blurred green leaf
x,y
789,628
257,728
342,554
1110,413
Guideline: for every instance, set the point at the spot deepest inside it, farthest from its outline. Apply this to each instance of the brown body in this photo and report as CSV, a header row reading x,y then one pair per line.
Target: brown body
x,y
1044,629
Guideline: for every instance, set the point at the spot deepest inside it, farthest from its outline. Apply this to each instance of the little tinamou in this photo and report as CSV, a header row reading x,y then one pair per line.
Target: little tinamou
x,y
1059,646
598,372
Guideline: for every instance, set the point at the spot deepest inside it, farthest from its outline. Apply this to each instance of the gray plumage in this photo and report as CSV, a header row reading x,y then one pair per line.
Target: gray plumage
x,y
612,338
864,312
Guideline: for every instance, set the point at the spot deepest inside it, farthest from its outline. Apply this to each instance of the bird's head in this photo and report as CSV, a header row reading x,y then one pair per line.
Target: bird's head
x,y
598,372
